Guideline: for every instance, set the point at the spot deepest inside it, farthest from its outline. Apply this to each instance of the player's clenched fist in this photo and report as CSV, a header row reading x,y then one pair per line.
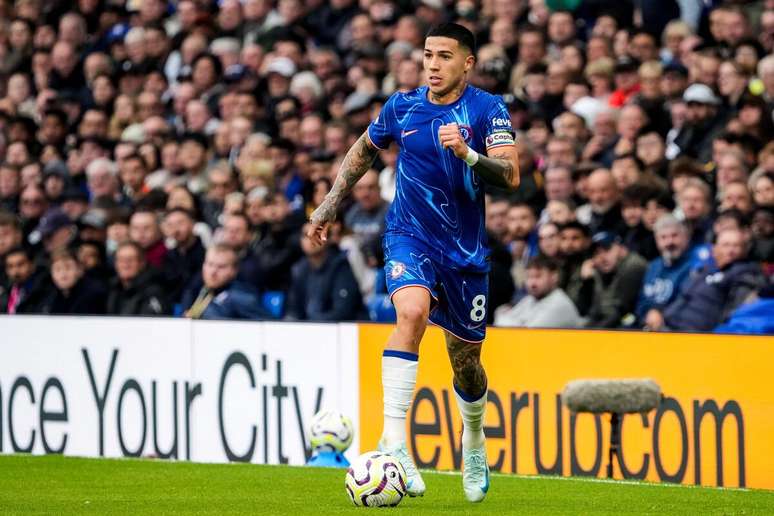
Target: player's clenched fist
x,y
450,137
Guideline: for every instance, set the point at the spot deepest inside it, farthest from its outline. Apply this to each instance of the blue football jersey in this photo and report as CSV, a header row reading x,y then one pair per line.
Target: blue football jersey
x,y
439,200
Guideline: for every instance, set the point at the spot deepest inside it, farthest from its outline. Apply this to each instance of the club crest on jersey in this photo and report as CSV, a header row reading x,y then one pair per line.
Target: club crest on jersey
x,y
467,133
397,270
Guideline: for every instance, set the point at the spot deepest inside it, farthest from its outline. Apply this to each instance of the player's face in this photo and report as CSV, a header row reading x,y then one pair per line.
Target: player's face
x,y
445,64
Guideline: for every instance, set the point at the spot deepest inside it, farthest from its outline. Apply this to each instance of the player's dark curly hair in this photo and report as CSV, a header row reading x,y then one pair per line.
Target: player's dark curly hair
x,y
455,31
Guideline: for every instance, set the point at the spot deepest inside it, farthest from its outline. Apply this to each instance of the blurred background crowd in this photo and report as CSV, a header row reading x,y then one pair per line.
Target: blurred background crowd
x,y
161,158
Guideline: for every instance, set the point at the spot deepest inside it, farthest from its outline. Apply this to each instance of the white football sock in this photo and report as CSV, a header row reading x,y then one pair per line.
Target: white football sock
x,y
472,412
399,375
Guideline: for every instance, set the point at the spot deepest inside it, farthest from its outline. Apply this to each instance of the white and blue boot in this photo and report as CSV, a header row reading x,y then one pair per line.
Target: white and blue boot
x,y
475,474
415,486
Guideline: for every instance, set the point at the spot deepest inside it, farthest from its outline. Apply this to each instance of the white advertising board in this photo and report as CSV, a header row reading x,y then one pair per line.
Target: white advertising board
x,y
207,391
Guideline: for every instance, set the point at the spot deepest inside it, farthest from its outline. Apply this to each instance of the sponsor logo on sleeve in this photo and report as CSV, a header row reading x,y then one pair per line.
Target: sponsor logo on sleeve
x,y
502,123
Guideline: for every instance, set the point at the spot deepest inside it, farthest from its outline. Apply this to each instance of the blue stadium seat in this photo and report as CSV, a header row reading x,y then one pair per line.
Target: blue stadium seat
x,y
274,303
380,308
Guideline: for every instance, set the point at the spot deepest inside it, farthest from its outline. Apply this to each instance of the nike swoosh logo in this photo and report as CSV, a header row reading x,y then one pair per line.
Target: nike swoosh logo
x,y
408,133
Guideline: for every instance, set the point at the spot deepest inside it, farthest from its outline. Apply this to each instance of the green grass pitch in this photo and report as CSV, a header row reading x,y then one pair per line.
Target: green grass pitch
x,y
64,485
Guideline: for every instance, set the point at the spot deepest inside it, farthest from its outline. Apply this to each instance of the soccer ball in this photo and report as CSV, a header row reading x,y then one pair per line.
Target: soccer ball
x,y
330,431
376,479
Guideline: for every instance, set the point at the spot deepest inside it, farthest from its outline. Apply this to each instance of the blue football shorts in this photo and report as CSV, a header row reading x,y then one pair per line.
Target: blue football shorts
x,y
459,298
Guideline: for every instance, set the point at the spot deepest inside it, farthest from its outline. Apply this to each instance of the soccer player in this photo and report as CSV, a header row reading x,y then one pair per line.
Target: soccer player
x,y
452,136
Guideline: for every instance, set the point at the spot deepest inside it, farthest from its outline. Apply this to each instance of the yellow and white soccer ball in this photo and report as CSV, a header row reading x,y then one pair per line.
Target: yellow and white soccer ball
x,y
376,479
330,431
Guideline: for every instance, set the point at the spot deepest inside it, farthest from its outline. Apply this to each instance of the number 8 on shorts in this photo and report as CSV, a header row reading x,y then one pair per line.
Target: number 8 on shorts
x,y
478,313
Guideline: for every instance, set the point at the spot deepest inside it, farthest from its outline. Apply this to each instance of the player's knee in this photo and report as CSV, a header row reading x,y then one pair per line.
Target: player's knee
x,y
412,316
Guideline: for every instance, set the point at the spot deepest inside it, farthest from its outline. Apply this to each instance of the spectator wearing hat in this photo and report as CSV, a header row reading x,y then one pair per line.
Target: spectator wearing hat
x,y
278,73
545,305
704,122
137,289
74,202
56,230
715,291
92,226
356,109
674,80
71,292
627,82
55,180
616,275
25,285
220,294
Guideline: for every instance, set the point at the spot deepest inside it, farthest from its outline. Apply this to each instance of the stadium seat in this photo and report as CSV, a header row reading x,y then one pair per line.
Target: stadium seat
x,y
380,308
274,303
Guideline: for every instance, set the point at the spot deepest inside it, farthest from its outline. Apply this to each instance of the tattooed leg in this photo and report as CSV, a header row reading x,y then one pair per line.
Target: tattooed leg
x,y
465,358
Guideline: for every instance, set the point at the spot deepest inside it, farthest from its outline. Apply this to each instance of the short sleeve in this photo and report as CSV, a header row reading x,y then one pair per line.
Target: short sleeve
x,y
497,127
380,129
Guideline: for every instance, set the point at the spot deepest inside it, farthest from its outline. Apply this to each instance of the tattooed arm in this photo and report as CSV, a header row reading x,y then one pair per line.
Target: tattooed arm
x,y
501,169
356,163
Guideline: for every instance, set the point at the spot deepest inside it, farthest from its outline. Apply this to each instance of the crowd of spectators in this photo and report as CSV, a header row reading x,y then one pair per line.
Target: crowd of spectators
x,y
161,158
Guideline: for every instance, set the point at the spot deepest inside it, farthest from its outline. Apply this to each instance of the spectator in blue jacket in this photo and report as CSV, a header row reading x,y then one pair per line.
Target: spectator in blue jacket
x,y
665,275
323,287
711,294
220,295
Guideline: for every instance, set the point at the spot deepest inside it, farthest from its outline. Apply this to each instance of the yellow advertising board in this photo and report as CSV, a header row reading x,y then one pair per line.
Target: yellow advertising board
x,y
715,425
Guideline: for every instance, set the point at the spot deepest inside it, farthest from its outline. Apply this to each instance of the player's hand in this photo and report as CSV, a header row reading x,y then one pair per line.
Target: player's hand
x,y
450,137
319,222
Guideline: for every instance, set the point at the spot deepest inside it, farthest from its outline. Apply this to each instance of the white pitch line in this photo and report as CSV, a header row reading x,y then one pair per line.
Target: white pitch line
x,y
594,480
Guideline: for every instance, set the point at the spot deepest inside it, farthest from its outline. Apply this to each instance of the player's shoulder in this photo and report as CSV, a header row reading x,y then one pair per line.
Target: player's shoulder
x,y
402,98
482,96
